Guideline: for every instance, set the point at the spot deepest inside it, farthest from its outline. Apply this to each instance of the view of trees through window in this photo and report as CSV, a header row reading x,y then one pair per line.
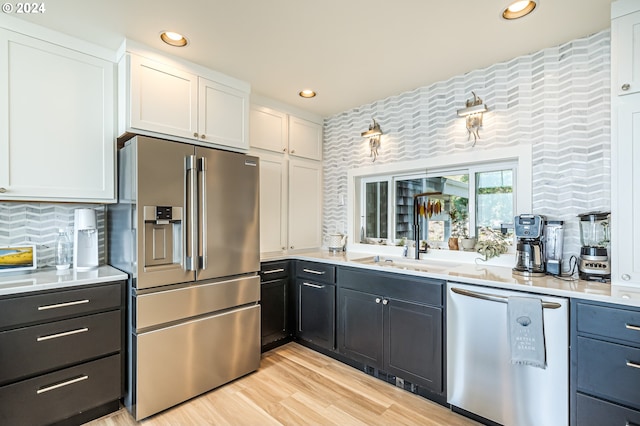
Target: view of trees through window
x,y
452,205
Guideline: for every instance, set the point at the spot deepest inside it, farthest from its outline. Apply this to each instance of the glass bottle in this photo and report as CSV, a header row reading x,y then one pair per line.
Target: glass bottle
x,y
63,250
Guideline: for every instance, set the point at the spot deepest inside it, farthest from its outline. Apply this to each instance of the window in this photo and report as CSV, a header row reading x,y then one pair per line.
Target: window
x,y
444,203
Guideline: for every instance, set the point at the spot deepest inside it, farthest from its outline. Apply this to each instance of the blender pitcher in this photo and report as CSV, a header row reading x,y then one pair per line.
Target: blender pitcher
x,y
553,239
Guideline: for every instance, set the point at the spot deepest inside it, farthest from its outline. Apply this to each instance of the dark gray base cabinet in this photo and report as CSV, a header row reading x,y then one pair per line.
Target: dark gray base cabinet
x,y
605,364
316,301
61,355
276,310
393,323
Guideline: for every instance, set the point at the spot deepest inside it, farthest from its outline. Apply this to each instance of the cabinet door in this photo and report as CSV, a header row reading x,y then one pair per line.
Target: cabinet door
x,y
316,313
273,303
56,123
413,343
625,194
625,54
305,138
305,204
360,326
268,129
223,114
163,99
273,202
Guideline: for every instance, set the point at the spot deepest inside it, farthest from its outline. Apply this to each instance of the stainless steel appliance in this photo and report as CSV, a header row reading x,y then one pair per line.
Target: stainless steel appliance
x,y
553,246
186,229
528,229
481,379
85,240
594,263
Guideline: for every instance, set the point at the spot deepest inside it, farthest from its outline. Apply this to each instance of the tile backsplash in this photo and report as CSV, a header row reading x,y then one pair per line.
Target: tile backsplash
x,y
38,223
556,99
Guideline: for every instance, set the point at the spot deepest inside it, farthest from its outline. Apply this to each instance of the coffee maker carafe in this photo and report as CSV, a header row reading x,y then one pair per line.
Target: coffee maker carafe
x,y
85,240
530,248
594,262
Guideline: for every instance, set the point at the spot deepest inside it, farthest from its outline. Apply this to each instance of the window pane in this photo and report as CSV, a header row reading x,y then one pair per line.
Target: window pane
x,y
376,207
494,198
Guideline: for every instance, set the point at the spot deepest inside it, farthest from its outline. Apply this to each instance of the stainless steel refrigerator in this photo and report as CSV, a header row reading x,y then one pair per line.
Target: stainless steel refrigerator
x,y
186,230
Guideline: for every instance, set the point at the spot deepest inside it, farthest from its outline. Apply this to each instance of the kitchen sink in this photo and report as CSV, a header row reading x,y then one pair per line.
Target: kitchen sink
x,y
407,264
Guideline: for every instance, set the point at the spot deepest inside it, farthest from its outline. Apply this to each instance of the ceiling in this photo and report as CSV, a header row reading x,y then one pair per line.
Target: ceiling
x,y
351,52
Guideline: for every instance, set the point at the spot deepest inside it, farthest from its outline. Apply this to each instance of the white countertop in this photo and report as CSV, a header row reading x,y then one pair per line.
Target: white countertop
x,y
50,279
486,275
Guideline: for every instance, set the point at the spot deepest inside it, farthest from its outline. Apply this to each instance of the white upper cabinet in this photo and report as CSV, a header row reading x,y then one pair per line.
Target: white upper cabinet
x,y
305,204
277,131
625,41
173,99
625,143
305,138
57,122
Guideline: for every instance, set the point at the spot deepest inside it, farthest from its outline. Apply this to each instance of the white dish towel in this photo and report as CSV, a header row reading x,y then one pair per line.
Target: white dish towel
x,y
526,331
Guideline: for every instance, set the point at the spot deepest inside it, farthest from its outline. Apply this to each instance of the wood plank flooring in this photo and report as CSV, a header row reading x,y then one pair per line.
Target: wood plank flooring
x,y
298,386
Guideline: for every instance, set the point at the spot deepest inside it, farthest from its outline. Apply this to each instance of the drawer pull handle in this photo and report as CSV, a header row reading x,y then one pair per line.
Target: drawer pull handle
x,y
633,364
63,305
62,384
313,285
631,424
632,327
311,271
272,271
66,333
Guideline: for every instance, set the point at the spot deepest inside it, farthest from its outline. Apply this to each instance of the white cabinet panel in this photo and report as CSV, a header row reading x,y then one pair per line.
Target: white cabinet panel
x,y
268,129
223,113
305,138
625,42
273,203
163,99
57,123
305,204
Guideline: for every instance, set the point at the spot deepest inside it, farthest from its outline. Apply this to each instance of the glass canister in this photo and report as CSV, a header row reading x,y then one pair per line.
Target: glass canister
x,y
594,229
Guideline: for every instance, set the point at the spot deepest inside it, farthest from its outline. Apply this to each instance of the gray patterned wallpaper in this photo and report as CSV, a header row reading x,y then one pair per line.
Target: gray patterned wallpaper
x,y
557,99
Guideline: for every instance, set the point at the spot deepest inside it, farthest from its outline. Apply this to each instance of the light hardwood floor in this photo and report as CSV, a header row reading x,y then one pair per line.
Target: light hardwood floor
x,y
298,386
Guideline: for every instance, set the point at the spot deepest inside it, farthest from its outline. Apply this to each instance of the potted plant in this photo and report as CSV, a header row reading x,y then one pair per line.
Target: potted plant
x,y
457,227
491,243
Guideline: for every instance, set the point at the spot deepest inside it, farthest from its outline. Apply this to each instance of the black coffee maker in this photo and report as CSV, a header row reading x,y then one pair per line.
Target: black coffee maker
x,y
528,229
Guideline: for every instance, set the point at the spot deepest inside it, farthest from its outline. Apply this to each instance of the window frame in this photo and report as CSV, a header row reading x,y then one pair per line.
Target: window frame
x,y
518,157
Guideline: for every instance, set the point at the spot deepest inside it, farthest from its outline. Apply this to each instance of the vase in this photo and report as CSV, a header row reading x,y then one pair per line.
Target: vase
x,y
453,243
468,244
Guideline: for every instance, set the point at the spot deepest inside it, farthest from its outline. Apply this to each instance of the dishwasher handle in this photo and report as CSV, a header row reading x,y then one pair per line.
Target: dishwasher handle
x,y
496,298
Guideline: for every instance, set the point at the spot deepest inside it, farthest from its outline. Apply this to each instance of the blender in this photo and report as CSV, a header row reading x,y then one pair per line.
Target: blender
x,y
594,264
553,243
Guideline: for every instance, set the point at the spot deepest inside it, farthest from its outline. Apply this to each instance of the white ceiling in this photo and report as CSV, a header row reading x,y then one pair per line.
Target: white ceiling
x,y
351,52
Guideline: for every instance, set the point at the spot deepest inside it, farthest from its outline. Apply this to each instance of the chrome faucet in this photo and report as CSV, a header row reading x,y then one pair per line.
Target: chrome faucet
x,y
416,223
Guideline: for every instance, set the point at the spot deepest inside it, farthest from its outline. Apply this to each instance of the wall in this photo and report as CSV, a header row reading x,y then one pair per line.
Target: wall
x,y
38,223
557,99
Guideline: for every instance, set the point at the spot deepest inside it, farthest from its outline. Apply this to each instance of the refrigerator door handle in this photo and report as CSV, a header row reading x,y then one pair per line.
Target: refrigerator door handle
x,y
202,169
189,236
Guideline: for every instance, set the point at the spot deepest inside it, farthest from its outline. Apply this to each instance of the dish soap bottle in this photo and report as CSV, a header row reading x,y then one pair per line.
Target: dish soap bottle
x,y
63,250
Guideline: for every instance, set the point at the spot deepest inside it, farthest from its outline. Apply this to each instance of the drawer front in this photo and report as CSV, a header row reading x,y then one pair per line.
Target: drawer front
x,y
596,412
321,272
397,286
56,396
609,370
30,350
623,324
65,303
274,270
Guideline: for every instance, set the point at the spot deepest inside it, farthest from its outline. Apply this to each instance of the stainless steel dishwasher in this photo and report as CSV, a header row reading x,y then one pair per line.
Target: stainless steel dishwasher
x,y
480,376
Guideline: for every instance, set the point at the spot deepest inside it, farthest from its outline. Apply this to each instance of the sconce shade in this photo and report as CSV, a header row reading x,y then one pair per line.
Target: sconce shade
x,y
374,130
472,110
373,134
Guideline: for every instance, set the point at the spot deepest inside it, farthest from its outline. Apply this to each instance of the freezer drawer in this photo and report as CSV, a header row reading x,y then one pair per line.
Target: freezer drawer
x,y
176,363
173,305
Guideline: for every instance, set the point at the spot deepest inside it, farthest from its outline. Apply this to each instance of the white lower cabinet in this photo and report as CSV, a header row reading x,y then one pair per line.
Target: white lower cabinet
x,y
56,122
290,203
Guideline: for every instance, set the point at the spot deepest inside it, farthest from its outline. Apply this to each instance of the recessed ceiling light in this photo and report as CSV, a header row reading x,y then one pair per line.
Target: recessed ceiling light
x,y
307,93
174,39
519,8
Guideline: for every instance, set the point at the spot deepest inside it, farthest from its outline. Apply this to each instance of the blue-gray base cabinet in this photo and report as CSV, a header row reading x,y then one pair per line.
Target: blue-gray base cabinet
x,y
315,305
61,355
605,364
276,309
393,325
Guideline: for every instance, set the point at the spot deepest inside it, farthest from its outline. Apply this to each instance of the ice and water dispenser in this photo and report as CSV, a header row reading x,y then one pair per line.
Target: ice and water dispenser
x,y
162,236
